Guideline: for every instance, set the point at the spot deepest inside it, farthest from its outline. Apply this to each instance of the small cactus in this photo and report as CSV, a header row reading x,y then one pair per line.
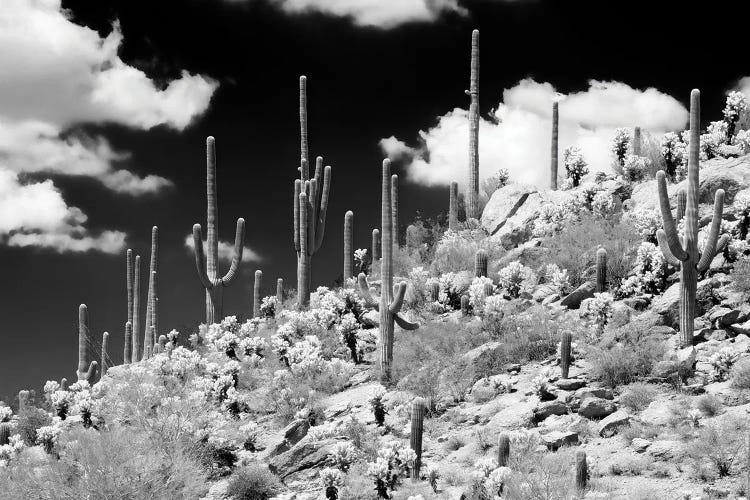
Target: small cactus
x,y
434,291
637,141
279,295
375,245
257,285
105,353
86,369
348,245
503,450
472,190
453,207
128,341
63,384
601,270
465,305
208,268
555,149
418,409
5,430
565,344
582,471
480,263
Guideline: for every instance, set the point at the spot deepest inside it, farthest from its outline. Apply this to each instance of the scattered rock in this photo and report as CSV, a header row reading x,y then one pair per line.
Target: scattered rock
x,y
665,450
596,408
556,439
609,426
594,392
293,433
544,410
639,445
570,384
302,456
583,292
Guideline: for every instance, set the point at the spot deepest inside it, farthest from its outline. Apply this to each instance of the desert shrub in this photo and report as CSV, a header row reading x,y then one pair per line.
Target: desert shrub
x,y
620,146
638,430
575,248
636,168
638,396
455,250
623,362
422,236
29,420
741,374
253,482
718,446
495,182
741,277
709,405
575,166
357,485
516,278
674,154
118,463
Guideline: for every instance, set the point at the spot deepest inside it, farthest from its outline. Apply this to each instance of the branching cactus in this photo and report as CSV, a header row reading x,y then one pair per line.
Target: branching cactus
x,y
453,207
348,250
555,149
601,270
391,297
503,450
137,348
480,263
582,471
257,285
310,209
208,269
565,348
394,209
105,353
151,297
418,410
279,295
683,251
472,191
128,342
86,369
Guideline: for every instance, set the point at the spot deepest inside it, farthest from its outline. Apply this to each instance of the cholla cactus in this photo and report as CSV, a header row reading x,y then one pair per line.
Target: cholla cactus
x,y
347,329
268,307
360,259
48,435
620,145
684,252
694,416
331,479
646,221
343,456
575,166
478,293
496,181
674,152
722,362
377,405
392,465
208,268
735,107
540,385
598,310
635,168
649,273
516,278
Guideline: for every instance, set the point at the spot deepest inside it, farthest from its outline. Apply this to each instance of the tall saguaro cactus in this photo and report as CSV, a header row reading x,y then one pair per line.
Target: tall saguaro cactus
x,y
565,345
601,270
394,208
135,330
637,141
391,297
129,287
128,354
304,149
257,285
683,251
480,263
555,149
453,207
418,410
105,353
310,209
86,368
348,251
150,298
208,269
472,190
279,295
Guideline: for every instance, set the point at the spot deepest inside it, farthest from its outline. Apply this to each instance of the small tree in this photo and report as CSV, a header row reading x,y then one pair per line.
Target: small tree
x,y
575,166
673,151
736,105
620,146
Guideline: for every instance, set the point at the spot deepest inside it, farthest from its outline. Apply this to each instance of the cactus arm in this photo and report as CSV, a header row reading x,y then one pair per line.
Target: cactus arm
x,y
136,341
399,291
670,228
404,324
83,341
722,243
212,213
313,206
200,259
661,237
297,191
304,173
709,251
105,354
320,227
91,373
318,170
453,207
239,246
364,291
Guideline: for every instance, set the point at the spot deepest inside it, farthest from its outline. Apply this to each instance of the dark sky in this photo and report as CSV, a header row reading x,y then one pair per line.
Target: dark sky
x,y
364,84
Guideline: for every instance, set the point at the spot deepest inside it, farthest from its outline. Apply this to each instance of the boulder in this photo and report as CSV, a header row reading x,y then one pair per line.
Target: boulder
x,y
556,439
292,434
480,356
544,410
667,305
609,425
302,456
570,384
583,292
504,204
639,445
730,174
741,328
594,392
657,413
665,449
596,408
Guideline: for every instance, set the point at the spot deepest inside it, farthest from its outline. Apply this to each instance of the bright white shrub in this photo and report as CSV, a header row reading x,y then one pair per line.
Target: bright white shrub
x,y
649,272
575,165
635,168
516,278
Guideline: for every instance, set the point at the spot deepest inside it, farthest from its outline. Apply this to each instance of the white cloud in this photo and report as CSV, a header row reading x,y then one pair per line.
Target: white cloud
x,y
56,76
226,250
520,140
36,215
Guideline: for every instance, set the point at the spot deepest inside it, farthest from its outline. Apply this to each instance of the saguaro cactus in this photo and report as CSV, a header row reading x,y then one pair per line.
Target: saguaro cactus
x,y
257,285
394,209
127,356
376,254
279,295
105,353
637,141
582,470
153,338
23,400
310,209
129,287
683,251
601,270
472,190
681,204
208,269
453,207
465,305
348,251
86,369
480,263
304,150
565,344
418,409
391,297
434,291
135,332
555,148
503,450
150,298
5,430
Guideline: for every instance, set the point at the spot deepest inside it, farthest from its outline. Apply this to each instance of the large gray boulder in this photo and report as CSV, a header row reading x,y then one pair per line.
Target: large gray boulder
x,y
596,408
583,292
303,456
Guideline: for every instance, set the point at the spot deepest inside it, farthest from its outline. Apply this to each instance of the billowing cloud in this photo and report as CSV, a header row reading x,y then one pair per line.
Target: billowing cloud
x,y
57,76
517,137
226,250
36,215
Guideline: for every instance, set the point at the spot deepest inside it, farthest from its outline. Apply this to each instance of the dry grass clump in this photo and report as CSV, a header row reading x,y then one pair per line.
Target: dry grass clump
x,y
638,396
